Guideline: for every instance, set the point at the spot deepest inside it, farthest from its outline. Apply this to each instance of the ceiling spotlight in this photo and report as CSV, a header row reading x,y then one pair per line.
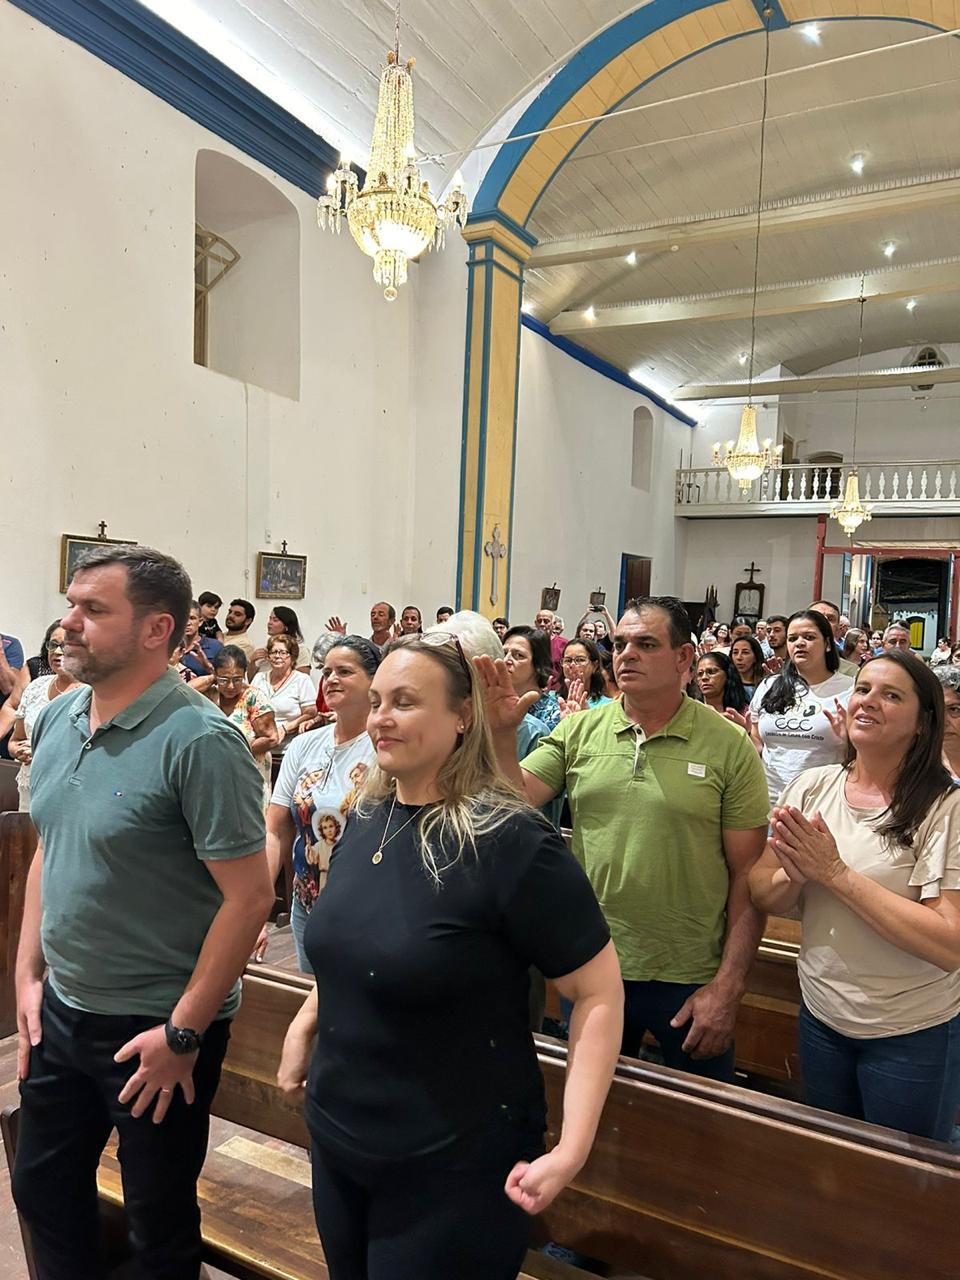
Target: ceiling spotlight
x,y
632,258
811,32
857,163
911,304
589,314
743,357
674,248
889,249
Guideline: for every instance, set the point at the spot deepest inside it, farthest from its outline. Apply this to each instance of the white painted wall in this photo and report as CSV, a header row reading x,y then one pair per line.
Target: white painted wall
x,y
105,414
576,510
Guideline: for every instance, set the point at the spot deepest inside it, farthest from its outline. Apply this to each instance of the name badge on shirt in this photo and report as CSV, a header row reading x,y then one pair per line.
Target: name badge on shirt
x,y
696,770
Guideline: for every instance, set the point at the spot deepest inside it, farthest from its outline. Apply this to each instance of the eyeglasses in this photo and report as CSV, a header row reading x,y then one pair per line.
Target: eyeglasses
x,y
575,662
436,639
55,644
231,679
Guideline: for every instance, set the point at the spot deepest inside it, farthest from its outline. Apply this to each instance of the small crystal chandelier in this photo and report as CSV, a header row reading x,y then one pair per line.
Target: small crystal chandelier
x,y
394,218
851,512
747,460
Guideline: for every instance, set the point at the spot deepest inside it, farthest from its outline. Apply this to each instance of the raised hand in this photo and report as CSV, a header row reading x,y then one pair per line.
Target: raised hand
x,y
334,624
838,719
741,718
577,699
505,709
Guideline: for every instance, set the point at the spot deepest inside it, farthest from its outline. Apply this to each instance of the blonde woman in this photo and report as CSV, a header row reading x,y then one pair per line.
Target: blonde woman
x,y
425,1102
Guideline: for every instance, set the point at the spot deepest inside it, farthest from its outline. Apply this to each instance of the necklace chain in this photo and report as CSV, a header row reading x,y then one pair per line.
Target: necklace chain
x,y
385,839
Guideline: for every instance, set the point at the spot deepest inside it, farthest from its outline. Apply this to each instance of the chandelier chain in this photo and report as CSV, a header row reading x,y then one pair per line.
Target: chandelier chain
x,y
856,399
396,31
767,15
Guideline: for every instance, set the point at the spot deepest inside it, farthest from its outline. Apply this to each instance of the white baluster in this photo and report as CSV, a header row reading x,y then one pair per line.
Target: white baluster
x,y
867,481
789,486
923,485
953,482
939,484
910,484
896,486
803,486
883,485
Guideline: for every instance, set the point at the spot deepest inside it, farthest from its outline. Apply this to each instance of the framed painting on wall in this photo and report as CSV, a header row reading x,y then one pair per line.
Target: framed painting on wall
x,y
73,546
281,577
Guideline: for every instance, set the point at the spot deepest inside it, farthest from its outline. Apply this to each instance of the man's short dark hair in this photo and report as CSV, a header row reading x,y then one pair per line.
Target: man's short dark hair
x,y
156,583
776,617
447,609
246,606
208,597
681,627
829,604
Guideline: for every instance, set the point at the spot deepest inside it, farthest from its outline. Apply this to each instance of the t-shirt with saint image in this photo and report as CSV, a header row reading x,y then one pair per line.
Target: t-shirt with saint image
x,y
318,783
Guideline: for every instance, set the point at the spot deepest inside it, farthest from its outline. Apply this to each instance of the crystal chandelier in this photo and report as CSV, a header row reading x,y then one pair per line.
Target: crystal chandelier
x,y
747,460
393,218
851,513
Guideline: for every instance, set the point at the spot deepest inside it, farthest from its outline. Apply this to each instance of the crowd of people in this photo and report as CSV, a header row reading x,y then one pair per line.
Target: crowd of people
x,y
788,764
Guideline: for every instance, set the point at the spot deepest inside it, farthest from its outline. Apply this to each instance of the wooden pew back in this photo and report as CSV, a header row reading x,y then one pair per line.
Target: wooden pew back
x,y
689,1179
18,842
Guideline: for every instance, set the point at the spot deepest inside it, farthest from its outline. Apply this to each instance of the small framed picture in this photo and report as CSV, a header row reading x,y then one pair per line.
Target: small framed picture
x,y
73,547
281,577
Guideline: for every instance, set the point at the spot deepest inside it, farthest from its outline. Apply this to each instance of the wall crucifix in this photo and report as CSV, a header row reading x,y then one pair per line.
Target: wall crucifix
x,y
496,550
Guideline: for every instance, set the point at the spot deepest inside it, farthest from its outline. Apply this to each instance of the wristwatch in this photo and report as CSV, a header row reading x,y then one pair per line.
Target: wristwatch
x,y
181,1040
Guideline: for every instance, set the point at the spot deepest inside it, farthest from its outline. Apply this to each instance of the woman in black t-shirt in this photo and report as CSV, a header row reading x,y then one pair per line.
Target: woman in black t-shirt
x,y
424,1099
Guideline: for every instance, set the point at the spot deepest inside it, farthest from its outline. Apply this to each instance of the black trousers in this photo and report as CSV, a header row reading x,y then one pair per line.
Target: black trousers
x,y
401,1223
69,1107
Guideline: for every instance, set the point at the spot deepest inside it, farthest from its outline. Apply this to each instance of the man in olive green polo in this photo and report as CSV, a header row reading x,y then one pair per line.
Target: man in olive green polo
x,y
144,900
669,814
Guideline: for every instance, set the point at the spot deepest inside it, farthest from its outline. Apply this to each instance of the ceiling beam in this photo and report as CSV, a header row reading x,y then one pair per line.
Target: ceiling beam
x,y
824,211
910,280
816,382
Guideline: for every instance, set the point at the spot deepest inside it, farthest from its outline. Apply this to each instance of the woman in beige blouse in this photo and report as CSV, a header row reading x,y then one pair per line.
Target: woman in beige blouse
x,y
869,851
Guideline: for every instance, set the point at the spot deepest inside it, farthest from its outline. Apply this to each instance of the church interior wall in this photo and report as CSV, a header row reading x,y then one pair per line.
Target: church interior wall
x,y
107,417
576,509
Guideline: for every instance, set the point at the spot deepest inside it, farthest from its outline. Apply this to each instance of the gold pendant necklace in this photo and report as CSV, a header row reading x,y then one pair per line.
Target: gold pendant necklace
x,y
385,839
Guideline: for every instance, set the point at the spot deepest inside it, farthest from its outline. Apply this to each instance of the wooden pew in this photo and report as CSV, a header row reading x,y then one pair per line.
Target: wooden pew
x,y
688,1178
18,841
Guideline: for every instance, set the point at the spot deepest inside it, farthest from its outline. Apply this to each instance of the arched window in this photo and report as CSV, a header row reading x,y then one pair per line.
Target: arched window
x,y
641,471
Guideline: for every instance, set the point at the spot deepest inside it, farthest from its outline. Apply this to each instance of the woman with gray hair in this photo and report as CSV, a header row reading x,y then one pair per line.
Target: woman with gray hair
x,y
949,678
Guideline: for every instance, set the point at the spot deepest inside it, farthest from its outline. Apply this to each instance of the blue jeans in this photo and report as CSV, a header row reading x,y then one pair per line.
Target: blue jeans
x,y
298,922
909,1082
649,1006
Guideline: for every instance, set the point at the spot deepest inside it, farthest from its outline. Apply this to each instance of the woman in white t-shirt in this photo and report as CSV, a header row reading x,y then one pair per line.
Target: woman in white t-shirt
x,y
870,853
289,692
319,779
797,717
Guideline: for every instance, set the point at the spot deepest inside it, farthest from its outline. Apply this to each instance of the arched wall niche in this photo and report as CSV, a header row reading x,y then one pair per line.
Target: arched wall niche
x,y
252,316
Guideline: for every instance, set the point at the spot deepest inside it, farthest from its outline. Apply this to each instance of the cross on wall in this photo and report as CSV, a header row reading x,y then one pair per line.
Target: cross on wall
x,y
496,550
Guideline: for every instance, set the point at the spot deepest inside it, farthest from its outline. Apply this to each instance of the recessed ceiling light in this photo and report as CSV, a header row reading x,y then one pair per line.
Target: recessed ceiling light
x,y
743,357
589,314
857,163
911,304
674,248
811,32
889,249
632,258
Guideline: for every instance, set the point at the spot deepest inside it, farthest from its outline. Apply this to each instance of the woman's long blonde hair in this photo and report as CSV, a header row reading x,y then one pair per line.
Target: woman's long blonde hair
x,y
475,798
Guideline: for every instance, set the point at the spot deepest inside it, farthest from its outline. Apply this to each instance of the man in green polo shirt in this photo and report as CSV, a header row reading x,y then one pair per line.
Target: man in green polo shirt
x,y
669,812
144,900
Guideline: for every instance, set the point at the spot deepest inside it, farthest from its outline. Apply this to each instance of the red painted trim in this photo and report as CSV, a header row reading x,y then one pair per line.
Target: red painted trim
x,y
818,563
954,597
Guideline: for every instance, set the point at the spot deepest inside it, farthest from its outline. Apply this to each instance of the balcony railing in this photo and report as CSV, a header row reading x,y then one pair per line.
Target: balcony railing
x,y
804,488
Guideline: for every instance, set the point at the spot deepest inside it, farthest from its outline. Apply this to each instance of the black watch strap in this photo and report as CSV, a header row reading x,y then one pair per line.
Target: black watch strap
x,y
181,1040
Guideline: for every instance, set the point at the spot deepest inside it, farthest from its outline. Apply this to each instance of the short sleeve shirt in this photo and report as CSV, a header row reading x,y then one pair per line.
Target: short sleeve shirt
x,y
423,1030
800,737
289,699
211,647
32,701
851,978
318,783
128,816
648,817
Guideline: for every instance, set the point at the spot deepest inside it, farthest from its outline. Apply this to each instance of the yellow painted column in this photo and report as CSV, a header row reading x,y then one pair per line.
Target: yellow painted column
x,y
491,376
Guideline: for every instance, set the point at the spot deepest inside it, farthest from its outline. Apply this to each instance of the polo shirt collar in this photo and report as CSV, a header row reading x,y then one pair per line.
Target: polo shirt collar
x,y
137,711
680,725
